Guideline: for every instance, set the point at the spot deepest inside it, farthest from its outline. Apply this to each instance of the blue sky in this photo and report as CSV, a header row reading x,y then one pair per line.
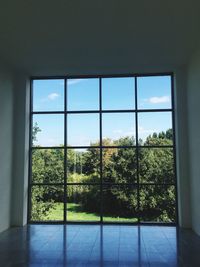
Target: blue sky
x,y
83,94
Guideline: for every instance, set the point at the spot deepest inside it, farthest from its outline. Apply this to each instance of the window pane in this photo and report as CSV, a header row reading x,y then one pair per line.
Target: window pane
x,y
83,203
83,129
119,165
154,92
118,128
156,165
155,128
48,130
118,93
157,203
47,203
48,95
83,94
83,165
48,166
103,184
120,203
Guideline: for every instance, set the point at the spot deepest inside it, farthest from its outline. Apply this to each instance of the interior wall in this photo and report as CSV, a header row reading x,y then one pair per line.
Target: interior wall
x,y
20,151
193,97
182,156
6,142
21,148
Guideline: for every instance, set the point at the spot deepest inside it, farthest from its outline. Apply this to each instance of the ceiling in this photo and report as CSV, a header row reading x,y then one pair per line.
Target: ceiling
x,y
95,37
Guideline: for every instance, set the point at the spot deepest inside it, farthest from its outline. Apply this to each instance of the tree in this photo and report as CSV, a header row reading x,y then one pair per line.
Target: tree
x,y
35,131
119,169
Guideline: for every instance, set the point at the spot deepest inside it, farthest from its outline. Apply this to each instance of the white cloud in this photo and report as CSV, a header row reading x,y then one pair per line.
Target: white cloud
x,y
118,133
131,132
53,96
74,81
158,99
142,130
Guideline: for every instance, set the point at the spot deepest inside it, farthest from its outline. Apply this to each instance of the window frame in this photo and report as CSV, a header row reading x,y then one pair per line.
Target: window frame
x,y
100,111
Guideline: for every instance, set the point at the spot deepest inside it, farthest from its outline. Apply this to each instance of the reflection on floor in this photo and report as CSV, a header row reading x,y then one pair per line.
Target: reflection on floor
x,y
95,245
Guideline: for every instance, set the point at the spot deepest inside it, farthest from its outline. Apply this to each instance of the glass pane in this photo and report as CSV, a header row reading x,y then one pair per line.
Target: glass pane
x,y
83,203
83,165
157,203
48,166
155,128
119,165
118,93
119,203
83,94
48,130
118,128
83,129
47,203
156,165
154,92
48,95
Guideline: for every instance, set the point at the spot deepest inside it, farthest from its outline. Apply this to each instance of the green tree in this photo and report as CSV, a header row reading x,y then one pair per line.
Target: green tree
x,y
119,167
35,131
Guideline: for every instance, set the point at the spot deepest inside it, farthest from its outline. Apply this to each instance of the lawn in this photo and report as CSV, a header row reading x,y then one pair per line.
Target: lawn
x,y
75,213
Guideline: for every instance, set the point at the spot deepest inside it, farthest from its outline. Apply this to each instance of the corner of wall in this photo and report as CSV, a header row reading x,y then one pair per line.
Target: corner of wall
x,y
193,104
20,151
6,144
183,181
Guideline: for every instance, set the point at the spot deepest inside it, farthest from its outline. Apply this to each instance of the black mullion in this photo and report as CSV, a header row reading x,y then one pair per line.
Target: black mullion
x,y
111,75
101,152
46,112
100,112
30,154
65,152
46,184
155,110
85,147
82,111
103,111
137,151
106,184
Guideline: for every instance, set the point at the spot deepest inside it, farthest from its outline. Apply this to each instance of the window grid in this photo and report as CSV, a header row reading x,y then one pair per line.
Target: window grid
x,y
101,184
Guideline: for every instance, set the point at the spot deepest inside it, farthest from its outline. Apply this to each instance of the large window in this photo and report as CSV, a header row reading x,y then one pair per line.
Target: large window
x,y
102,150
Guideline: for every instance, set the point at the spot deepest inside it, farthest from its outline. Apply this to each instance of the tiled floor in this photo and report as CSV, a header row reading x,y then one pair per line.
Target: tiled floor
x,y
95,245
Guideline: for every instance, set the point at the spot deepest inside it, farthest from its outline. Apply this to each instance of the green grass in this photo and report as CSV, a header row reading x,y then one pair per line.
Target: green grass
x,y
74,213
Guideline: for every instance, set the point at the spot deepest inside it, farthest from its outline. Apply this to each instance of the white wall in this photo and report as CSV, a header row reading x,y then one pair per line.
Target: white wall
x,y
20,151
6,126
181,128
14,138
194,137
21,147
15,115
20,154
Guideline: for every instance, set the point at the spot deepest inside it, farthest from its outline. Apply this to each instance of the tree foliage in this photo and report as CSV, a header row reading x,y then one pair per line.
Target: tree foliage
x,y
119,169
